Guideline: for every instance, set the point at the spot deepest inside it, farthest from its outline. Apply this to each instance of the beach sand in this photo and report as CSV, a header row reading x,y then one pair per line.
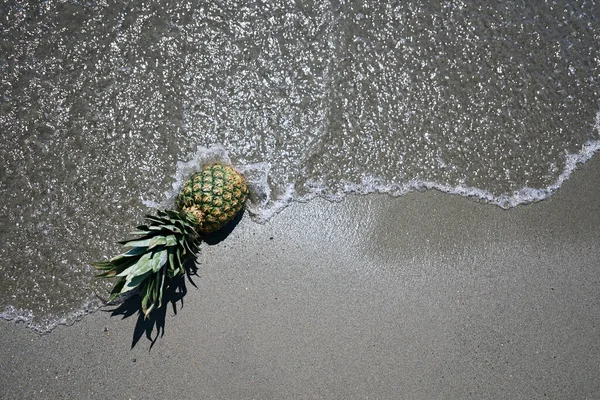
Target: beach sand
x,y
419,297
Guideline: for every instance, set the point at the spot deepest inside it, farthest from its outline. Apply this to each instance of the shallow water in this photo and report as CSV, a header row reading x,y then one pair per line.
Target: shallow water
x,y
104,108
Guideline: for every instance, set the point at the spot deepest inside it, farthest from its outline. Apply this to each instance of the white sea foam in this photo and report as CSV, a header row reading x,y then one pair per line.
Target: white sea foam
x,y
46,325
524,195
262,206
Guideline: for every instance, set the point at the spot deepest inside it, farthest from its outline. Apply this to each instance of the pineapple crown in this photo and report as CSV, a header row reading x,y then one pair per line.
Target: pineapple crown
x,y
156,256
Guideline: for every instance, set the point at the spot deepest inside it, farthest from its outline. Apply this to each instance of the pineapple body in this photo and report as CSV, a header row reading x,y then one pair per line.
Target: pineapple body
x,y
214,196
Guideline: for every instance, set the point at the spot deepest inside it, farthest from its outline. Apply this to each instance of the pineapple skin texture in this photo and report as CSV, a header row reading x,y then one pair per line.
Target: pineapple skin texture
x,y
214,196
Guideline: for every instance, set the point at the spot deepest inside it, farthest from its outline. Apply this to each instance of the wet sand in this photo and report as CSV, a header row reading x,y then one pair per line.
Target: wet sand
x,y
424,296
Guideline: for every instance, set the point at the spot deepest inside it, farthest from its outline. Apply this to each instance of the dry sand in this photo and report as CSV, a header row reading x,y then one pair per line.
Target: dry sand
x,y
420,297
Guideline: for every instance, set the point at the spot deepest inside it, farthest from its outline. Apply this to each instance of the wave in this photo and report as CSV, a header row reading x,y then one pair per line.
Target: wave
x,y
263,206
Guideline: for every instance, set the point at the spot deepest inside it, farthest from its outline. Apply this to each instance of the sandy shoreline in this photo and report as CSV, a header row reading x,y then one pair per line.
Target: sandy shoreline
x,y
424,296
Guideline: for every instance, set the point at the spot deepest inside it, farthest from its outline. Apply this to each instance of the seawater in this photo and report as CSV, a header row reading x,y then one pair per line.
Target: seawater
x,y
105,107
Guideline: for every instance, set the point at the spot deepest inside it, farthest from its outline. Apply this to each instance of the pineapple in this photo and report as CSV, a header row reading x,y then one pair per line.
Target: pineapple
x,y
213,196
208,201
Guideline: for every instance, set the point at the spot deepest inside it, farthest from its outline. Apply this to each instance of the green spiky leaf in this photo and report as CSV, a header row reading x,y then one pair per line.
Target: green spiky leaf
x,y
134,281
116,291
137,243
172,259
171,240
170,228
157,241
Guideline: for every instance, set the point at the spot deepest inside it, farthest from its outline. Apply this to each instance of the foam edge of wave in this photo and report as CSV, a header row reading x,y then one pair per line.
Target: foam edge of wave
x,y
525,195
27,318
262,207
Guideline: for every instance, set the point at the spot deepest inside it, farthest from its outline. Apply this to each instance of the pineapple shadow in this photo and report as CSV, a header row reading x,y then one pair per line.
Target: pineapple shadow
x,y
153,327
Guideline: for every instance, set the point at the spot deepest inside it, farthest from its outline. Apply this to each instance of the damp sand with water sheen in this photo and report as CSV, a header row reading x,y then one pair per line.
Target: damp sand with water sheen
x,y
103,107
